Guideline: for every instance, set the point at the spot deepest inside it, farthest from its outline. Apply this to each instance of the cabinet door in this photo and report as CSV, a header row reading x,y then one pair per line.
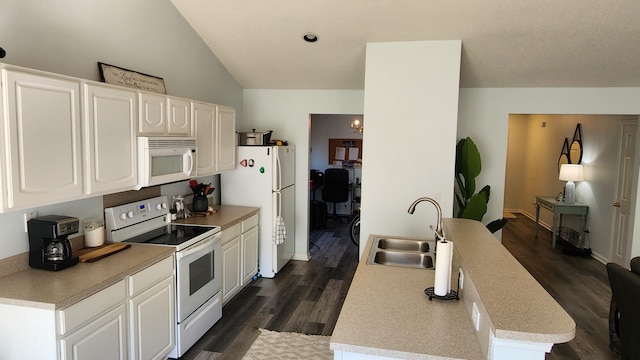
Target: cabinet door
x,y
42,139
230,269
153,322
104,338
110,139
153,114
249,254
226,138
179,116
205,131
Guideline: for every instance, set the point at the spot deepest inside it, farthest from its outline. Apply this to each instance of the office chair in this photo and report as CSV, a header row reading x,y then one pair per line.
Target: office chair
x,y
625,287
336,187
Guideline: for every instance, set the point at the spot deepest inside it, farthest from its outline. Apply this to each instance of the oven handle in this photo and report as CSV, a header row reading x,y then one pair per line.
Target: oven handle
x,y
206,243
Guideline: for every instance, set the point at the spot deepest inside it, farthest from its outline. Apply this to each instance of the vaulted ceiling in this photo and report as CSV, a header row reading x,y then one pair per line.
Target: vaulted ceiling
x,y
505,43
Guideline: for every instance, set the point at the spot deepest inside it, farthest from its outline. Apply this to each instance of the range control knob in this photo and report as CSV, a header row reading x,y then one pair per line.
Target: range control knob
x,y
164,205
130,214
123,216
158,206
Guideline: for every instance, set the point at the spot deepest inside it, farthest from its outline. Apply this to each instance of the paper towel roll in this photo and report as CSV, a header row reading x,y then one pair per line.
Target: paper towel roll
x,y
444,257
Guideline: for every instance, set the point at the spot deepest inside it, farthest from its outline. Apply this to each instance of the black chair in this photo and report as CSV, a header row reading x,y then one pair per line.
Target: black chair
x,y
336,187
625,288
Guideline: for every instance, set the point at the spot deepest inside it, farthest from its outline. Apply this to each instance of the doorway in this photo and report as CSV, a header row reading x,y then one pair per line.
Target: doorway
x,y
334,143
535,142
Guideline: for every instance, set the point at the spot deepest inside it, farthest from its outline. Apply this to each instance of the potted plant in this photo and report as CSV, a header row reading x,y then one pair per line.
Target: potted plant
x,y
472,205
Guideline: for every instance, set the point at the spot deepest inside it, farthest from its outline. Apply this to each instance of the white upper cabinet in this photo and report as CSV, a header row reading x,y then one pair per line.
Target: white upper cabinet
x,y
214,127
179,116
153,114
205,131
41,140
63,138
162,115
110,116
226,138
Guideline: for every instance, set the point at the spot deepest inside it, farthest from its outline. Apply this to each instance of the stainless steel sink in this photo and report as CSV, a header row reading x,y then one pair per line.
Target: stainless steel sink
x,y
403,259
411,253
403,244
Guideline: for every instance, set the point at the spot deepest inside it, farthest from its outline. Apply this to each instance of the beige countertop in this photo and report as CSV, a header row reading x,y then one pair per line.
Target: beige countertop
x,y
518,306
59,289
225,216
386,312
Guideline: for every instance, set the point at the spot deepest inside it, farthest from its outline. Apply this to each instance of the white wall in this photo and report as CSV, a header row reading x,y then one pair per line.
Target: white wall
x,y
484,115
532,168
411,108
288,112
70,36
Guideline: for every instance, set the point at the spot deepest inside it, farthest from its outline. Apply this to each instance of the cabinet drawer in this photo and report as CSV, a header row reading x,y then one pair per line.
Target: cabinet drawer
x,y
231,233
249,223
151,275
89,308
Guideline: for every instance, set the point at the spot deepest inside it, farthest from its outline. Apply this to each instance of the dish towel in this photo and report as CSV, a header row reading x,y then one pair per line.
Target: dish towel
x,y
280,231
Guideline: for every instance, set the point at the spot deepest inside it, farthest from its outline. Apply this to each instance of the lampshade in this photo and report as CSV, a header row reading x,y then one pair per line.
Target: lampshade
x,y
571,172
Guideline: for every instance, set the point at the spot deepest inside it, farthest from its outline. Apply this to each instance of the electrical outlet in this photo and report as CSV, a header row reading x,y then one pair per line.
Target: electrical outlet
x,y
475,316
461,276
28,216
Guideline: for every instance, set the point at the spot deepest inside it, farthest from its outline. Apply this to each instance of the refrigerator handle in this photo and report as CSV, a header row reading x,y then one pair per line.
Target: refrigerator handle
x,y
277,173
278,204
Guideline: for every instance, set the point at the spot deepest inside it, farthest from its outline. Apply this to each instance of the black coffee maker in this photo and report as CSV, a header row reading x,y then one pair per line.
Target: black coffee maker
x,y
49,247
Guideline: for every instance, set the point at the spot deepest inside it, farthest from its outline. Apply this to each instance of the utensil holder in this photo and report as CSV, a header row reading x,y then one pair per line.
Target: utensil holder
x,y
200,204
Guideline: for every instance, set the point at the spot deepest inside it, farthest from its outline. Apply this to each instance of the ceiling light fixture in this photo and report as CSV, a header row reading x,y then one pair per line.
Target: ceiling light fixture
x,y
356,126
310,37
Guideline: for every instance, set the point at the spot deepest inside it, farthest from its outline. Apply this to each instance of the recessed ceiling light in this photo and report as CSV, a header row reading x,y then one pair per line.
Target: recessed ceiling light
x,y
310,37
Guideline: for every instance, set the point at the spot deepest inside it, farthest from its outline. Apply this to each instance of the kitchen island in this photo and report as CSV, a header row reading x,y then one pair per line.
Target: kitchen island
x,y
387,315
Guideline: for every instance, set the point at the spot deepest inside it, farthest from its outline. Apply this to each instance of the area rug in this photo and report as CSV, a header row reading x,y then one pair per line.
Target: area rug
x,y
286,345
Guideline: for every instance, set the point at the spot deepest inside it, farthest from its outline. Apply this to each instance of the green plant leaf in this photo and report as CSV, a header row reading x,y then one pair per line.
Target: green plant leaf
x,y
486,191
468,166
496,225
471,158
475,208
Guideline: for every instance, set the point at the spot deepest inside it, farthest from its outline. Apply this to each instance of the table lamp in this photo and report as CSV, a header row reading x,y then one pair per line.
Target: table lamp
x,y
570,173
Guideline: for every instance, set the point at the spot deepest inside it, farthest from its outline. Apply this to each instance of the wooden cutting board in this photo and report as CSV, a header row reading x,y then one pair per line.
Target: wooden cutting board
x,y
95,255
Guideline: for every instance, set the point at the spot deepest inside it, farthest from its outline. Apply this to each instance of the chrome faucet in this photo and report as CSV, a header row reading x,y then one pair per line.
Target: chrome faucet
x,y
438,230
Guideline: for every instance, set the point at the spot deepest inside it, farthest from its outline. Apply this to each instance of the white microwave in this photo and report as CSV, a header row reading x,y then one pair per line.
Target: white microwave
x,y
165,159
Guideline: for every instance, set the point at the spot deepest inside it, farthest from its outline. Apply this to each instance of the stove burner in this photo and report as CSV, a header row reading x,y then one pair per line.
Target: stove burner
x,y
169,235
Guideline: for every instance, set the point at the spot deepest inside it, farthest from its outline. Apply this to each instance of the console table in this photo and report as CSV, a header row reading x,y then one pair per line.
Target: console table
x,y
559,209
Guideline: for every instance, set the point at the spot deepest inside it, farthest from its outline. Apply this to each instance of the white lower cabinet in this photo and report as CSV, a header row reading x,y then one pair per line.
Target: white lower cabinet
x,y
230,262
239,256
152,316
95,327
103,338
153,335
249,240
133,319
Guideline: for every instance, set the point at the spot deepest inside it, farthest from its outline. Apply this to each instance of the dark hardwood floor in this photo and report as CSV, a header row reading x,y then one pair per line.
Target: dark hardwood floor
x,y
306,297
578,283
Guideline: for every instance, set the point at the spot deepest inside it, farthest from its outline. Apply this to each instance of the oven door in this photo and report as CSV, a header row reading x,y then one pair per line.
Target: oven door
x,y
199,273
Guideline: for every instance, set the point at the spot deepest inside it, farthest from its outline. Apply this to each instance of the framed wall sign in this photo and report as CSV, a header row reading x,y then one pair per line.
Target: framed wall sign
x,y
118,76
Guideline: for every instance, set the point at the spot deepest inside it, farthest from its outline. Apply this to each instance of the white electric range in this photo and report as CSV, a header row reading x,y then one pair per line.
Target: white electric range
x,y
198,262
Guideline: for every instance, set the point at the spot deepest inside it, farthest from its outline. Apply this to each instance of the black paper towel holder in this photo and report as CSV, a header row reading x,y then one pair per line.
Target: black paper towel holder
x,y
452,295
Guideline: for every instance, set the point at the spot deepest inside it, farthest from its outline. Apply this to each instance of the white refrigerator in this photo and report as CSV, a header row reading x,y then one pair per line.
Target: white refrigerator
x,y
264,177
